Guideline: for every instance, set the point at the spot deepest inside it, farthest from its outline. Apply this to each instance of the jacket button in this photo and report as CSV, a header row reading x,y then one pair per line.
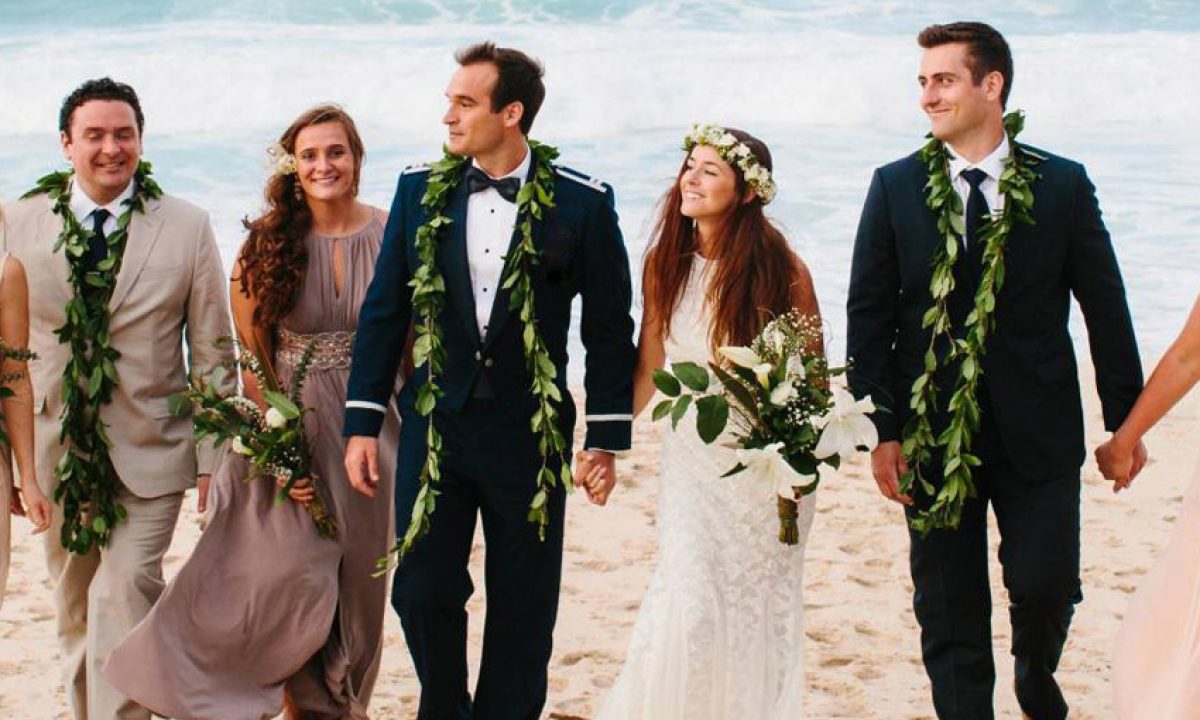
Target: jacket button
x,y
487,363
478,355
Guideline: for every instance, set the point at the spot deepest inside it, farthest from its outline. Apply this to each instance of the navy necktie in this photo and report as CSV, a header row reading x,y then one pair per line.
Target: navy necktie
x,y
98,244
977,207
507,187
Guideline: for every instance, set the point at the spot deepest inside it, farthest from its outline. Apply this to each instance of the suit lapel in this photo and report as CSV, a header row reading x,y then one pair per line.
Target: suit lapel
x,y
455,264
50,226
144,230
500,310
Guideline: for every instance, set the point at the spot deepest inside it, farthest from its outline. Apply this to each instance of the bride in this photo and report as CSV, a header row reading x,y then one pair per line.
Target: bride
x,y
1156,664
721,629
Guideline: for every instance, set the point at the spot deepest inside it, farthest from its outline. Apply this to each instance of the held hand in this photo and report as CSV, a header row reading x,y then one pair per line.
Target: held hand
x,y
596,473
362,464
302,491
1120,462
888,465
29,502
202,482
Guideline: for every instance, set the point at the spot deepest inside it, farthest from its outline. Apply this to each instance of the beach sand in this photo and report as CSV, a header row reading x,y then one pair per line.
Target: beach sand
x,y
863,653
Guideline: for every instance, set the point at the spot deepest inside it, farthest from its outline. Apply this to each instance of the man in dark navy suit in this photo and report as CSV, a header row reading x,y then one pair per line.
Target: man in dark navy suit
x,y
491,456
1031,439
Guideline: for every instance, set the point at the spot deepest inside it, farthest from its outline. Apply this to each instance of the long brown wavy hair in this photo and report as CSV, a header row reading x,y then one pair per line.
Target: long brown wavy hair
x,y
272,262
752,272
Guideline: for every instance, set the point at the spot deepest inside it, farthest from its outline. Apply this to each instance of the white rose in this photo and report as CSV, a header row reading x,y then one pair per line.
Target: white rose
x,y
275,419
240,448
783,394
727,140
742,151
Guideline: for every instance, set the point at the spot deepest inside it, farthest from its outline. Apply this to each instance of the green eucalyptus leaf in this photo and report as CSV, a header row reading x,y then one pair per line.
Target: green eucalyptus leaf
x,y
691,375
666,383
712,414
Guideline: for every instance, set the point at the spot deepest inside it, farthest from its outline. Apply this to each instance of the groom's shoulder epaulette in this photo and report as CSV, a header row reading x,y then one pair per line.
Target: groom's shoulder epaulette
x,y
578,177
415,169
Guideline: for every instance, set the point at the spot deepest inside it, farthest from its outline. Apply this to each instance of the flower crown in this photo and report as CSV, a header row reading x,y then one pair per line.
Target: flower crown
x,y
737,154
281,161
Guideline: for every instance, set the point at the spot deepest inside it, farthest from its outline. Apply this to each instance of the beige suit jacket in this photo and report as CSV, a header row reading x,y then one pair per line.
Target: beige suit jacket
x,y
171,290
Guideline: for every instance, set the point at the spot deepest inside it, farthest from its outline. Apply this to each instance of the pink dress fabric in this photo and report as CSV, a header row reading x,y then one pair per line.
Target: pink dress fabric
x,y
263,601
1156,664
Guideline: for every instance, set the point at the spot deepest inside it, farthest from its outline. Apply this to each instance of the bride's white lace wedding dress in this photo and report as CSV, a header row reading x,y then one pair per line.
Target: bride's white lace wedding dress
x,y
720,634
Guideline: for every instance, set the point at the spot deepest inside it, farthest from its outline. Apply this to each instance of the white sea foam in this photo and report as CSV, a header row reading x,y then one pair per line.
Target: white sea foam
x,y
623,86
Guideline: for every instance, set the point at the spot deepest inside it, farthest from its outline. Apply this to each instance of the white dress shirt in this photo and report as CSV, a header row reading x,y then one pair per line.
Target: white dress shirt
x,y
992,165
490,223
83,206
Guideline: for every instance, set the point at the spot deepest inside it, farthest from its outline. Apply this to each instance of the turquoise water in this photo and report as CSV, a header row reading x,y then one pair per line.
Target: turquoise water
x,y
829,85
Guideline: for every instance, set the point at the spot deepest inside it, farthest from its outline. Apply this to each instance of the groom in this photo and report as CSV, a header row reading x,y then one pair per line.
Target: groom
x,y
491,456
1031,440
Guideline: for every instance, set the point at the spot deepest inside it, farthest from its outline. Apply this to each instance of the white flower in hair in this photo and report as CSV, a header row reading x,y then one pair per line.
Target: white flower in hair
x,y
281,161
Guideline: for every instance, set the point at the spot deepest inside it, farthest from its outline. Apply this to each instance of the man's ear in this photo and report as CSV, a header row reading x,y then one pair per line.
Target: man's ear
x,y
513,112
993,85
64,139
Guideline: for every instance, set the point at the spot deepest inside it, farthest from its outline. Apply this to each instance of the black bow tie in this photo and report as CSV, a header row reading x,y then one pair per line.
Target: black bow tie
x,y
507,187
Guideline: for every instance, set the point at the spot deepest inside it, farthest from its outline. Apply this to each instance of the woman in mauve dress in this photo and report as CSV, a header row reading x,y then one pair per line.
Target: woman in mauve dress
x,y
267,613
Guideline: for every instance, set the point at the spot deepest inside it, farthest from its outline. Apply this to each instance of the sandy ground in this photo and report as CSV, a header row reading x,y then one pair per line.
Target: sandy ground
x,y
862,637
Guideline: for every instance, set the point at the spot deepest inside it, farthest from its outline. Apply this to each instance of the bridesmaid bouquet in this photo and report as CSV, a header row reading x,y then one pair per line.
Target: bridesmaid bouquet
x,y
273,441
787,419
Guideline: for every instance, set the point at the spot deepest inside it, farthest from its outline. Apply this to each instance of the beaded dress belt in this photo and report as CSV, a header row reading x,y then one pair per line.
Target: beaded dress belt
x,y
331,351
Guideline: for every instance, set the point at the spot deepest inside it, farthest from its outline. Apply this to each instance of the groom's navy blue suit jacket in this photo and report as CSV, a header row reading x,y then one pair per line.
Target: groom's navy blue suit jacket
x,y
582,253
1029,368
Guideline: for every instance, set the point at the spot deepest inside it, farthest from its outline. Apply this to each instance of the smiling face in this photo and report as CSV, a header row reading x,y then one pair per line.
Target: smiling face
x,y
957,107
708,185
325,163
104,146
473,129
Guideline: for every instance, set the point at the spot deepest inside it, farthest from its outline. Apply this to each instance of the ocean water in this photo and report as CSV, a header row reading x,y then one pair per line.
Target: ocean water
x,y
829,84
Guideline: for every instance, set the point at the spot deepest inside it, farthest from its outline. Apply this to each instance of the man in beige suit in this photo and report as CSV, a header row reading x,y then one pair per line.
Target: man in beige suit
x,y
170,289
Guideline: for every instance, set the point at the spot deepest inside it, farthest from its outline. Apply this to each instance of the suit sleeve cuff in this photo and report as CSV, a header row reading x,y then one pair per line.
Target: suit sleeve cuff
x,y
363,418
612,433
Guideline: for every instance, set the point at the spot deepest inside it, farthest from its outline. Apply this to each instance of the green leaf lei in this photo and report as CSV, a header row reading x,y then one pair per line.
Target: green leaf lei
x,y
967,346
429,299
87,483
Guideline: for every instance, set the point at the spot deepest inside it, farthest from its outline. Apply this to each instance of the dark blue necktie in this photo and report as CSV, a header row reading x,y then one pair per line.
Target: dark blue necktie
x,y
98,244
976,208
507,187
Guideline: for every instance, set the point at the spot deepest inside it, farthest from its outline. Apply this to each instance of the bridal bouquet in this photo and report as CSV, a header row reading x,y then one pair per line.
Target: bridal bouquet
x,y
273,441
787,419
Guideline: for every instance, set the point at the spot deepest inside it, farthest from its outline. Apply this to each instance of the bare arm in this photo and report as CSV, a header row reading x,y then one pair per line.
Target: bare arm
x,y
1176,374
804,299
18,409
650,357
242,305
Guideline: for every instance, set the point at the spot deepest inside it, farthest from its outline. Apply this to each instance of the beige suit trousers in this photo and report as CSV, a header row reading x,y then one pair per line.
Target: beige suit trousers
x,y
100,596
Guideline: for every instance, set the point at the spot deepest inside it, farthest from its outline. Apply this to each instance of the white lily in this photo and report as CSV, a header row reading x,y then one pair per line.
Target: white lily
x,y
763,372
784,393
768,463
741,356
240,448
275,419
846,427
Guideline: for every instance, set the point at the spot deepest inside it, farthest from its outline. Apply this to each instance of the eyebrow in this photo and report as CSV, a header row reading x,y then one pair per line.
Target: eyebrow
x,y
96,128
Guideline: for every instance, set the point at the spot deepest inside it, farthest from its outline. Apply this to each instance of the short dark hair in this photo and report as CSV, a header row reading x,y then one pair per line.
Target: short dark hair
x,y
520,78
987,51
104,88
